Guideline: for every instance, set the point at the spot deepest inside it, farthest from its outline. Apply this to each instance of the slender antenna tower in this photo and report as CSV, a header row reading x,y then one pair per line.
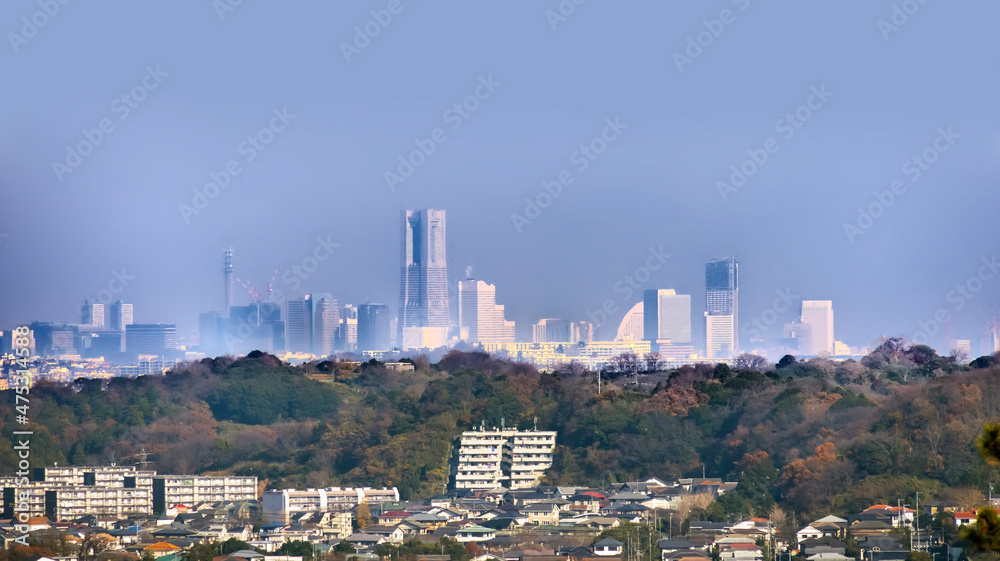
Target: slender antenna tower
x,y
227,276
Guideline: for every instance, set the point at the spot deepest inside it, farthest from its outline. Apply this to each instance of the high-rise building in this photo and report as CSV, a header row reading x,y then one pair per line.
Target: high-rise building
x,y
666,316
325,317
480,319
964,346
150,339
92,314
552,330
631,327
818,314
722,300
298,325
719,335
347,332
373,328
121,315
423,286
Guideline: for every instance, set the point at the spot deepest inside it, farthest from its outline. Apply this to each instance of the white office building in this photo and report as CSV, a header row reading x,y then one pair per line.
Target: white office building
x,y
818,315
480,319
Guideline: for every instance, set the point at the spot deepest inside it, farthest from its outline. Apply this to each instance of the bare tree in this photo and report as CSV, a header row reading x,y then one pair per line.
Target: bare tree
x,y
748,361
653,362
958,356
686,504
966,498
624,363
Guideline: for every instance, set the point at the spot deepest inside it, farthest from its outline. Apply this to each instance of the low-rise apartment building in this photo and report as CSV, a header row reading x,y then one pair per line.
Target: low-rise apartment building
x,y
280,503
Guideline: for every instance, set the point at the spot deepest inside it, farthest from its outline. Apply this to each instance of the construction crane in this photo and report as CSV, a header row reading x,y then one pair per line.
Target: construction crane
x,y
252,290
255,295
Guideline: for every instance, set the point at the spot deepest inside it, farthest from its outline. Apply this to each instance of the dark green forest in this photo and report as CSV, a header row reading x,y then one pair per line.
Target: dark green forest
x,y
811,437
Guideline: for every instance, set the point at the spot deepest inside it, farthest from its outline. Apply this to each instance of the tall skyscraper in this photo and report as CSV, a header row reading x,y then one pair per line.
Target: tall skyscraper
x,y
818,315
374,328
92,314
325,317
298,325
666,316
423,286
480,319
722,307
121,315
227,277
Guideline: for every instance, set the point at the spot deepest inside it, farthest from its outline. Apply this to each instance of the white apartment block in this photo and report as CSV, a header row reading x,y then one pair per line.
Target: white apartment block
x,y
282,502
63,502
480,456
531,455
101,476
68,492
488,459
171,490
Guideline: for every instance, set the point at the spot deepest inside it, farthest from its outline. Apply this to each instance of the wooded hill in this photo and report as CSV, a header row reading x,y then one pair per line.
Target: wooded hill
x,y
814,437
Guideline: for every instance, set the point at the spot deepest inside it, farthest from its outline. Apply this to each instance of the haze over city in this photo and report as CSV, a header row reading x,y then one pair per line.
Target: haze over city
x,y
674,121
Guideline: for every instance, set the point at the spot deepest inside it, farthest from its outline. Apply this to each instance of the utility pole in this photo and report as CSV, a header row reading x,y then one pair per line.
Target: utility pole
x,y
916,519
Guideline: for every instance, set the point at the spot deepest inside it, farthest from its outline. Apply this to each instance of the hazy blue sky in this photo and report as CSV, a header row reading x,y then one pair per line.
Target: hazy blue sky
x,y
220,79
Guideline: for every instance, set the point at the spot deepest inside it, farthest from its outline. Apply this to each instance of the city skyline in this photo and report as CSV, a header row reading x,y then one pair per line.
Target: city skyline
x,y
312,324
832,160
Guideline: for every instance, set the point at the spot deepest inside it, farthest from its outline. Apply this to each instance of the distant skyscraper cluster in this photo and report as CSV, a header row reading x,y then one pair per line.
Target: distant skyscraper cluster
x,y
320,325
317,324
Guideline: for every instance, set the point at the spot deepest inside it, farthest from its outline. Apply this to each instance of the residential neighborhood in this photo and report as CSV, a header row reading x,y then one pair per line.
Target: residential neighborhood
x,y
632,521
